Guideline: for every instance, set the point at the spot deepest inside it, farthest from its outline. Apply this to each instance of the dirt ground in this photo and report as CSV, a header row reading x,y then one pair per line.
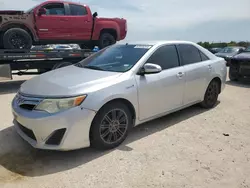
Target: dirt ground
x,y
190,148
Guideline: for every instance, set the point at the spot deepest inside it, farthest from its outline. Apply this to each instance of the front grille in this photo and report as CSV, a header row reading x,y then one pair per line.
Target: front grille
x,y
56,137
27,131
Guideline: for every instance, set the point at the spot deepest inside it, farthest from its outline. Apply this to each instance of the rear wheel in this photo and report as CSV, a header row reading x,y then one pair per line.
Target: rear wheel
x,y
17,38
211,95
111,125
106,39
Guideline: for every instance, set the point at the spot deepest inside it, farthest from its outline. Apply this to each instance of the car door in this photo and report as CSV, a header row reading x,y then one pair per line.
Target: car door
x,y
80,22
161,92
54,25
197,68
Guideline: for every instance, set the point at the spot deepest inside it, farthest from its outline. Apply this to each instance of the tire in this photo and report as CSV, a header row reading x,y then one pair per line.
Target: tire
x,y
233,76
105,40
17,38
103,129
211,95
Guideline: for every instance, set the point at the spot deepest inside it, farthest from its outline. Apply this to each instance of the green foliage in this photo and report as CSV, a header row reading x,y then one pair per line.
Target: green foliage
x,y
209,45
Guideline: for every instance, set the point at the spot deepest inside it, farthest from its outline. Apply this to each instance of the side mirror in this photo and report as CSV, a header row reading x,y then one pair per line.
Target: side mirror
x,y
150,68
41,11
241,50
95,14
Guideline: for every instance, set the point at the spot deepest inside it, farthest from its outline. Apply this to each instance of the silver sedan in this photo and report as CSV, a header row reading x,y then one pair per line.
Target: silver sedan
x,y
97,101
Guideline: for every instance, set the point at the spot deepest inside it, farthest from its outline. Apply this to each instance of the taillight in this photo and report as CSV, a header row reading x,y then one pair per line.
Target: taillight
x,y
126,26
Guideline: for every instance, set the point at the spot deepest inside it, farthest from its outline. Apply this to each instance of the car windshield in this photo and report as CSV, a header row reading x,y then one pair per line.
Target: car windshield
x,y
116,58
229,50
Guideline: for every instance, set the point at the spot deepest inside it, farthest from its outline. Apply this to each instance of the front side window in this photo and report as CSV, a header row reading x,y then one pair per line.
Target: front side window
x,y
165,56
189,54
55,9
77,10
116,58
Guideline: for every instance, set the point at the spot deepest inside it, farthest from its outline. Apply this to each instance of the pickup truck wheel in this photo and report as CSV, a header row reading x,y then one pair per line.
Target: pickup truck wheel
x,y
106,39
17,38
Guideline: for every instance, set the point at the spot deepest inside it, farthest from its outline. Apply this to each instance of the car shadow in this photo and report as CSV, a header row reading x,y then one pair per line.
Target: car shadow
x,y
22,160
8,87
241,83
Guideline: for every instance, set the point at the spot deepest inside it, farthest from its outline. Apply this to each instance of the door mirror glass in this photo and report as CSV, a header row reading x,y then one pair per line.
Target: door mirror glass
x,y
150,68
41,11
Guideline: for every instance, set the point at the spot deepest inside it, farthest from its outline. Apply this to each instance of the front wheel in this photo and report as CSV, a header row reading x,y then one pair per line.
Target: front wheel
x,y
211,95
111,125
17,38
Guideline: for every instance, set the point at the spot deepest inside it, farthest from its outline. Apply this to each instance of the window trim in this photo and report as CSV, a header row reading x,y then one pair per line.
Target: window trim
x,y
178,57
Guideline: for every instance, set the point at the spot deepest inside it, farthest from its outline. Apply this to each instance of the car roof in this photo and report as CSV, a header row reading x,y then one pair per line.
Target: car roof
x,y
69,2
159,42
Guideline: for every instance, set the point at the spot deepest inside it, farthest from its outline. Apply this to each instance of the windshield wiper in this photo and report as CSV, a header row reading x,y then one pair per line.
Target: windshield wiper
x,y
93,67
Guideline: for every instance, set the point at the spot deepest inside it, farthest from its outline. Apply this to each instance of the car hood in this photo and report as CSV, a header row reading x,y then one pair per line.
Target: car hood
x,y
68,81
224,54
244,55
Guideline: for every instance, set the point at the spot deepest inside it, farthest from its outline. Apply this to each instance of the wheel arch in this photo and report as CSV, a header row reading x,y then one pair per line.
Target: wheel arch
x,y
122,100
111,31
18,25
218,80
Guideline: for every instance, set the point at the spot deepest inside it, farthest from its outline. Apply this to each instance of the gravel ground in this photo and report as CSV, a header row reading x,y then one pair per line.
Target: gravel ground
x,y
190,148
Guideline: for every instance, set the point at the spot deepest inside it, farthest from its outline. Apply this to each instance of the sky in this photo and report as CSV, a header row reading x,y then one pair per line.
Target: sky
x,y
194,20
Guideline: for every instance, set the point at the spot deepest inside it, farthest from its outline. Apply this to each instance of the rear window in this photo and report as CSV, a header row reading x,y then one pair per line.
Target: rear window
x,y
116,58
77,10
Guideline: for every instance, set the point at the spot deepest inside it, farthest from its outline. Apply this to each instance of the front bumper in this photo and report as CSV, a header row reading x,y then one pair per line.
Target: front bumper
x,y
66,130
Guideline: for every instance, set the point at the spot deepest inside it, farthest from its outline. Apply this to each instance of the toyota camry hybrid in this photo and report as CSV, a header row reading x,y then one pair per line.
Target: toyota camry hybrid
x,y
97,101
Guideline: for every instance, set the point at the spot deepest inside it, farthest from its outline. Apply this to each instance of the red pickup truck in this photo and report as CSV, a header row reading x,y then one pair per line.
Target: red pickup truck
x,y
59,22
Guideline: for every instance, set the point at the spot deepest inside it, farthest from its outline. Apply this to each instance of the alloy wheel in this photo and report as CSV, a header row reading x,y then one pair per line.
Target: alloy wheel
x,y
114,126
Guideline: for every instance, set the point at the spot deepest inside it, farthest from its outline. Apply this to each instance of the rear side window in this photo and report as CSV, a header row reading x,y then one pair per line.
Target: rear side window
x,y
55,9
77,10
165,56
189,54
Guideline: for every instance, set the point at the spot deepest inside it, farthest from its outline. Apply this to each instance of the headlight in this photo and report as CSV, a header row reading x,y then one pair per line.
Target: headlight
x,y
57,105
